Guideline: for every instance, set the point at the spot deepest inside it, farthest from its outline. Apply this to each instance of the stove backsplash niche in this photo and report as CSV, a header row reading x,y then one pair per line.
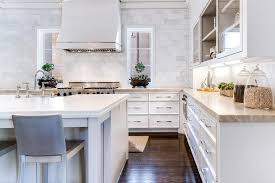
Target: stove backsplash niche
x,y
95,67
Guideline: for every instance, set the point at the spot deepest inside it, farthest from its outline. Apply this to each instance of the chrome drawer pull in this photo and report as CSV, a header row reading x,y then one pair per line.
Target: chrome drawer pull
x,y
135,107
163,97
164,121
136,121
164,107
208,151
207,124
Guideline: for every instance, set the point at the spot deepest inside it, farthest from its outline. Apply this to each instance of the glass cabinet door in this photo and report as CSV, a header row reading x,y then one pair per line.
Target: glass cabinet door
x,y
197,43
229,27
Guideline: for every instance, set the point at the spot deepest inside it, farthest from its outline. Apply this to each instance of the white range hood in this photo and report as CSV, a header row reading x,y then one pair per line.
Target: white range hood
x,y
90,26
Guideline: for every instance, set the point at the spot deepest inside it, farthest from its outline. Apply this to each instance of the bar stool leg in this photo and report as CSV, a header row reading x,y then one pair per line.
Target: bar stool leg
x,y
21,171
64,168
45,173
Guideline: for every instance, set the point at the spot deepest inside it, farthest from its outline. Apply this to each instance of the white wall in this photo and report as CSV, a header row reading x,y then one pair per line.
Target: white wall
x,y
171,50
18,47
18,42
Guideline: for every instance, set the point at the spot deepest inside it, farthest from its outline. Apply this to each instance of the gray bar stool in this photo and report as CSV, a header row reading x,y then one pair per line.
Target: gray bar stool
x,y
40,139
7,146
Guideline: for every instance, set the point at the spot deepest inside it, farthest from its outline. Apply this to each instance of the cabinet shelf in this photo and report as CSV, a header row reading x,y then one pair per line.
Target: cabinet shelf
x,y
229,5
211,36
231,28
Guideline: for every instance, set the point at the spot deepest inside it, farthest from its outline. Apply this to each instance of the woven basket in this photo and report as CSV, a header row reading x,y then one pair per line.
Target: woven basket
x,y
227,93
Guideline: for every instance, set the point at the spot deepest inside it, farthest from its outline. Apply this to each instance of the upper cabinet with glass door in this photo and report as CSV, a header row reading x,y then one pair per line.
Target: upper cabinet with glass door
x,y
229,27
246,29
240,30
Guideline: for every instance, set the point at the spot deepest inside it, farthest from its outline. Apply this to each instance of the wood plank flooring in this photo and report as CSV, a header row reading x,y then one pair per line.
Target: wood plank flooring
x,y
165,160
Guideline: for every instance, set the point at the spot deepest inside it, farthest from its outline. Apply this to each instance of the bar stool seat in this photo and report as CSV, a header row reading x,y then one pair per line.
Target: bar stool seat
x,y
7,146
72,148
41,140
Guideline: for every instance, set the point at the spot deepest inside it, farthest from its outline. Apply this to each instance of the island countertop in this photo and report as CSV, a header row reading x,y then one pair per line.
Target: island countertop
x,y
70,106
224,109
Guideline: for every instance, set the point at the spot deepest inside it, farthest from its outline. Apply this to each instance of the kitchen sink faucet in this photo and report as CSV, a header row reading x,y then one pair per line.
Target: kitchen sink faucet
x,y
27,89
35,77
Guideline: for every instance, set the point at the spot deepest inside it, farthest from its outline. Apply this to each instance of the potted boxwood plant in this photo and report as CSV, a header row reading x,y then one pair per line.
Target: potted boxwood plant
x,y
140,80
226,89
51,82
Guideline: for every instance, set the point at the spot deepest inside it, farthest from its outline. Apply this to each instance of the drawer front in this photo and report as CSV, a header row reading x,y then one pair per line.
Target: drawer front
x,y
209,123
194,145
164,96
209,149
137,107
207,175
194,124
138,121
164,121
206,119
138,97
164,107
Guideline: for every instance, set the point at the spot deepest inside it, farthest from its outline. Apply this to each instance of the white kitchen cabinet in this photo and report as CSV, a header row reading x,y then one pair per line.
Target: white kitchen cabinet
x,y
243,31
164,121
153,111
166,107
229,151
164,97
138,97
137,107
202,142
138,121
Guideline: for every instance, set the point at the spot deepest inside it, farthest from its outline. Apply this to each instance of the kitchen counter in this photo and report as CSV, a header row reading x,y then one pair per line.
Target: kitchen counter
x,y
148,90
70,106
224,109
99,120
23,91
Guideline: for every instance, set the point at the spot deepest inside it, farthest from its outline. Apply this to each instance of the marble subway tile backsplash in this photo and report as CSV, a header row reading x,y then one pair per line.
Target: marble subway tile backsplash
x,y
18,29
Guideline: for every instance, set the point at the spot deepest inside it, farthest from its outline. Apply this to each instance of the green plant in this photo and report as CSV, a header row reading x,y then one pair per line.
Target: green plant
x,y
140,79
48,67
139,67
226,86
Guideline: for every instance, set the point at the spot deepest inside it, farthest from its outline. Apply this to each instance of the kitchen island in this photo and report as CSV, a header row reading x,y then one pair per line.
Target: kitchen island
x,y
100,120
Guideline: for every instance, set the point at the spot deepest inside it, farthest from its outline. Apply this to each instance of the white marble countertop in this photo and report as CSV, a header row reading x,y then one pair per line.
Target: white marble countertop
x,y
70,106
23,91
224,109
148,90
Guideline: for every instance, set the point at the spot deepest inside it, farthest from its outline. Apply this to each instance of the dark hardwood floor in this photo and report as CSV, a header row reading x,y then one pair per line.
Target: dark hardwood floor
x,y
166,159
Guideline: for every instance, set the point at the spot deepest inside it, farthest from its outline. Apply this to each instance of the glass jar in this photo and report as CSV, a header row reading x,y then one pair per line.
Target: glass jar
x,y
239,85
258,93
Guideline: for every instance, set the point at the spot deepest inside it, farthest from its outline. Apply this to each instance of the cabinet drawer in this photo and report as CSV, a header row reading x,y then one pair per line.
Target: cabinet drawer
x,y
137,107
138,121
164,121
138,97
164,107
209,148
164,97
206,173
209,123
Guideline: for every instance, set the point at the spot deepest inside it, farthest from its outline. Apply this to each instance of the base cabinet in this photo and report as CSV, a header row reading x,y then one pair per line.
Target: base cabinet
x,y
230,152
153,111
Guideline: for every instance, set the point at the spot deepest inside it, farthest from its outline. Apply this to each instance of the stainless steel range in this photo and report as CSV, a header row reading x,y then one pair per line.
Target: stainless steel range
x,y
76,88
